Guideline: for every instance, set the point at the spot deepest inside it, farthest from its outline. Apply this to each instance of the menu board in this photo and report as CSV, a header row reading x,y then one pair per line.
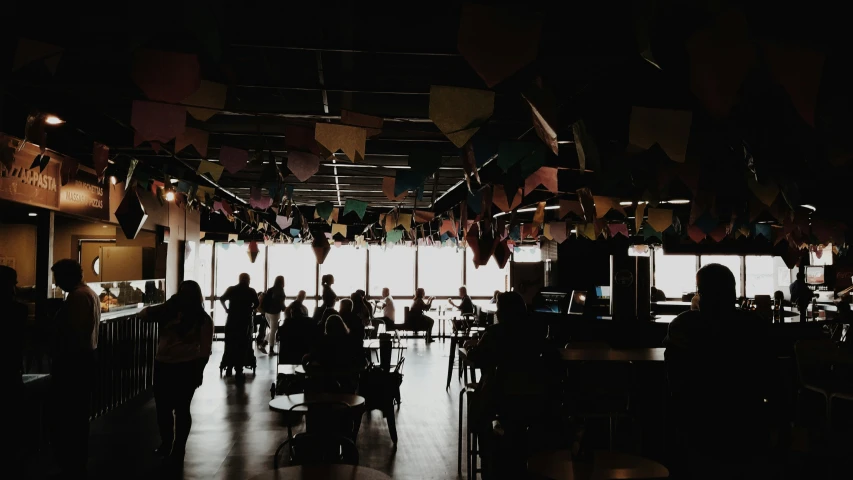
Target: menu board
x,y
85,196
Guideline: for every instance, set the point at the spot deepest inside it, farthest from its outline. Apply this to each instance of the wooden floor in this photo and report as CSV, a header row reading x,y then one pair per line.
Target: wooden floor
x,y
234,433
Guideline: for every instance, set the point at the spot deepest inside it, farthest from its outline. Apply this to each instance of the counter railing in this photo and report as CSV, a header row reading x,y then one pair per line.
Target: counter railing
x,y
125,366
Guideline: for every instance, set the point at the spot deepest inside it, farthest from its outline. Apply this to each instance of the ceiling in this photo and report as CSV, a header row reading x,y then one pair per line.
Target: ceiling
x,y
301,64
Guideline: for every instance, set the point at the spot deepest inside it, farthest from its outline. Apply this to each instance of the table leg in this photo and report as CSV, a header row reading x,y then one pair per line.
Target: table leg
x,y
450,360
392,421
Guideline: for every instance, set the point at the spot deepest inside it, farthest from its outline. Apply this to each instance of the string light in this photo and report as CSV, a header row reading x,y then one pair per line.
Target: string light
x,y
113,179
53,120
170,196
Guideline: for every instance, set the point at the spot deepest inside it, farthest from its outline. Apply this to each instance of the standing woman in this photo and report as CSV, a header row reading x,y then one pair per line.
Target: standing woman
x,y
240,302
273,305
329,297
183,349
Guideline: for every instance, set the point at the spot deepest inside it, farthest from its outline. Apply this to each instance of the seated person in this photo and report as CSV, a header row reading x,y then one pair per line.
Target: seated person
x,y
720,371
297,307
360,307
465,304
353,323
389,314
417,319
335,349
511,355
658,295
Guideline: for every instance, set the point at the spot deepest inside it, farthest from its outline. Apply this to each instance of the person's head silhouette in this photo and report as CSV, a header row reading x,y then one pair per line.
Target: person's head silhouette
x,y
716,285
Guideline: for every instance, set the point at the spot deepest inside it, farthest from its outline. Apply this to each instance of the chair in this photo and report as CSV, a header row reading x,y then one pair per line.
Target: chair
x,y
602,390
814,369
331,424
471,437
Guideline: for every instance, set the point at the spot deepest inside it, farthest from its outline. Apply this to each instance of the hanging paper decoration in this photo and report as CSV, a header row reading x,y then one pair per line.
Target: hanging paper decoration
x,y
192,136
718,234
585,147
131,214
660,218
721,54
482,245
372,125
695,233
459,112
500,199
543,108
448,227
670,129
393,236
203,194
35,132
388,189
422,216
224,207
618,229
68,170
350,140
529,230
406,180
166,76
799,71
100,159
603,205
283,222
303,165
31,51
502,253
156,122
206,101
558,231
539,215
258,200
545,176
357,206
321,248
323,210
766,192
587,204
300,139
571,207
233,159
469,164
253,251
498,41
339,229
41,162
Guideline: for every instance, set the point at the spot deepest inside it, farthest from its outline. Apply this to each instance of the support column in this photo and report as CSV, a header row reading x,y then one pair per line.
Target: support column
x,y
44,257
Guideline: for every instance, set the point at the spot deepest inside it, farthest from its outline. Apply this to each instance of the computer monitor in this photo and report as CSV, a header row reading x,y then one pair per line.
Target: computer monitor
x,y
602,293
578,302
550,302
814,275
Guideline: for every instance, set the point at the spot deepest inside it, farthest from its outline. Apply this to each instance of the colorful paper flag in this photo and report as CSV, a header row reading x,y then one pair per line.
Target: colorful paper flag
x,y
459,112
233,159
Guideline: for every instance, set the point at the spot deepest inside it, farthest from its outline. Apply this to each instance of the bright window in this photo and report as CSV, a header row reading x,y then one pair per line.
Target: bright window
x,y
526,254
440,270
392,267
732,262
483,281
675,275
232,260
348,265
204,270
297,264
765,275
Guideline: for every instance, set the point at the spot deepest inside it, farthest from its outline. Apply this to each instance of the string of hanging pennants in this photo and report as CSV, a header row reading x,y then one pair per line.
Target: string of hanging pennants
x,y
174,88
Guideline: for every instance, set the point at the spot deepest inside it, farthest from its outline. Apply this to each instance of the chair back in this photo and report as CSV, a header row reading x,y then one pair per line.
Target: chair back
x,y
317,449
814,360
328,418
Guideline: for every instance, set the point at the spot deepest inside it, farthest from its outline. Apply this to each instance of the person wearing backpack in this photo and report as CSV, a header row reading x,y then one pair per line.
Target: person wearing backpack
x,y
272,305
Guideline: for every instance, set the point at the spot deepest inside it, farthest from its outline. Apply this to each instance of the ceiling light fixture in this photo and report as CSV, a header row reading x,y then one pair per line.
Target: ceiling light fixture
x,y
170,196
33,214
529,209
53,120
810,207
173,180
113,179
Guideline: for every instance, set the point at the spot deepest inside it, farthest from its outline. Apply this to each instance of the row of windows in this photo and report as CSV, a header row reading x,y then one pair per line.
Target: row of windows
x,y
440,271
675,275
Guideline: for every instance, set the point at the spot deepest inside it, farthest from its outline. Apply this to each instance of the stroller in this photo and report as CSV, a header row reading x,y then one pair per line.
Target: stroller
x,y
238,350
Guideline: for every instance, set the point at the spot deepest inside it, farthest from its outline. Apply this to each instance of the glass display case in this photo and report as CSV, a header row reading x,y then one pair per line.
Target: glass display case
x,y
124,295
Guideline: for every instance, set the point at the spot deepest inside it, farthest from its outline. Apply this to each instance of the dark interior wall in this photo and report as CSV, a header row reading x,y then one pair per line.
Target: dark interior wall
x,y
584,263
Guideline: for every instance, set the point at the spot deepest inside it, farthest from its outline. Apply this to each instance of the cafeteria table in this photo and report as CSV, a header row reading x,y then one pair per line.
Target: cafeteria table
x,y
612,354
323,472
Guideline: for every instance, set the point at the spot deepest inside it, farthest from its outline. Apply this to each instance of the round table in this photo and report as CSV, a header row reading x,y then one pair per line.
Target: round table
x,y
558,465
323,472
285,403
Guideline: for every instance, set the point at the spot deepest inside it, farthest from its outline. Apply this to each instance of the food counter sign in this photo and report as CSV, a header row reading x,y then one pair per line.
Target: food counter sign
x,y
19,183
85,196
